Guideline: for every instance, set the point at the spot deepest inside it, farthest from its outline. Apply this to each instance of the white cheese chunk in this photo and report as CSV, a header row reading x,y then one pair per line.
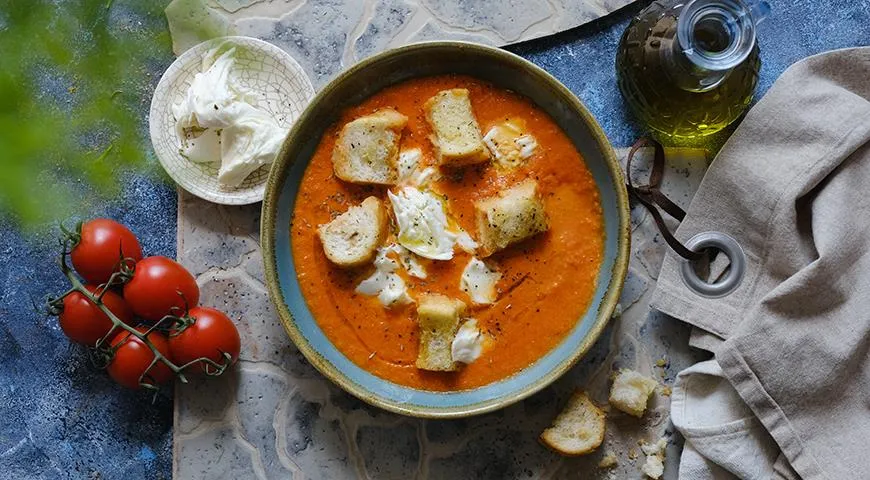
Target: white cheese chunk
x,y
251,142
509,143
468,343
384,283
465,242
479,281
527,144
408,162
410,171
422,223
409,260
205,148
237,134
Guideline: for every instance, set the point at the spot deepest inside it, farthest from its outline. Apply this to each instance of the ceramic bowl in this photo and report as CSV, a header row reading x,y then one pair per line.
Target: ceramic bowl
x,y
283,89
368,77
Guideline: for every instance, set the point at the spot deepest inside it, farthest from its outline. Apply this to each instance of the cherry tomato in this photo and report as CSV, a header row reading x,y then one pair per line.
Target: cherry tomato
x,y
83,322
160,287
133,357
102,245
210,334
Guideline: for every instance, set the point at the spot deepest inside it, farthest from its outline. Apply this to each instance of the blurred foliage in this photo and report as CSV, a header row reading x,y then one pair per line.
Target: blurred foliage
x,y
75,84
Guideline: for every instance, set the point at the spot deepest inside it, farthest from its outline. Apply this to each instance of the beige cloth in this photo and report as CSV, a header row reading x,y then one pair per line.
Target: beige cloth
x,y
792,185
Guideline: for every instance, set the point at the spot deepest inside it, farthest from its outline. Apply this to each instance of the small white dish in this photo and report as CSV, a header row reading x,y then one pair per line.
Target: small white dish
x,y
283,89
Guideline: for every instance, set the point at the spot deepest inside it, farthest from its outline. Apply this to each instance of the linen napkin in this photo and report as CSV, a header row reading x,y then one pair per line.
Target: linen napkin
x,y
792,186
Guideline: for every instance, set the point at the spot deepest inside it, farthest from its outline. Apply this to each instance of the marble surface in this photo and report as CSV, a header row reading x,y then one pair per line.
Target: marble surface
x,y
326,36
277,416
59,419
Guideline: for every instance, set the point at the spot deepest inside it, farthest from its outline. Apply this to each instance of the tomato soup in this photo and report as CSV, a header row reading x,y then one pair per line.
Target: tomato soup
x,y
547,281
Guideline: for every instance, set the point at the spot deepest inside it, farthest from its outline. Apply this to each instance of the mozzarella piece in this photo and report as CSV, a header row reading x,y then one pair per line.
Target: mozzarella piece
x,y
465,242
253,141
527,144
408,162
409,260
238,134
468,343
422,223
509,143
206,148
410,172
479,281
213,99
384,283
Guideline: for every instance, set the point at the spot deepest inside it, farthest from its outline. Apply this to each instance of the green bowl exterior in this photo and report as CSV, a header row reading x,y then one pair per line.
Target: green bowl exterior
x,y
433,58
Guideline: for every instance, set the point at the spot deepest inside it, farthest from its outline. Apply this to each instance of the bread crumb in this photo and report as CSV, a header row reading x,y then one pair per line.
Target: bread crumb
x,y
654,465
631,391
661,362
666,391
608,461
632,453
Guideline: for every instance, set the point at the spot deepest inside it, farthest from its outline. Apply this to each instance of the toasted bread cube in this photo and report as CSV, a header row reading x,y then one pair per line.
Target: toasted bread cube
x,y
438,317
654,466
352,238
457,136
510,217
578,430
630,392
367,148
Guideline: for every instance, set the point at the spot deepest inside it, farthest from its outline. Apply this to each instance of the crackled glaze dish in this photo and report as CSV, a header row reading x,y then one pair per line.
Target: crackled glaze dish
x,y
282,89
503,70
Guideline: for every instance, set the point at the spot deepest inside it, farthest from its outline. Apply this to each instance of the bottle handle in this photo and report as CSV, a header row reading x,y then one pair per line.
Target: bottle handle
x,y
759,10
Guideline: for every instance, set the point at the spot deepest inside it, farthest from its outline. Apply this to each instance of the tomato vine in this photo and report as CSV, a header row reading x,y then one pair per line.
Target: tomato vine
x,y
103,352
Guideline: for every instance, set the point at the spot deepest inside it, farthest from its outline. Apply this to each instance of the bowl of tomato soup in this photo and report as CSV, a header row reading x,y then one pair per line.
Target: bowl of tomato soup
x,y
551,289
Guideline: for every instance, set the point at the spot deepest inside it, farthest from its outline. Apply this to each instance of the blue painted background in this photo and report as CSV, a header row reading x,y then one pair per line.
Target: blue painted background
x,y
60,419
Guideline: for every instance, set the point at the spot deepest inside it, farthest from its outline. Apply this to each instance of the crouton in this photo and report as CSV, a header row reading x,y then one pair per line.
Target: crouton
x,y
630,392
367,148
608,461
510,217
578,430
456,136
438,317
352,238
654,466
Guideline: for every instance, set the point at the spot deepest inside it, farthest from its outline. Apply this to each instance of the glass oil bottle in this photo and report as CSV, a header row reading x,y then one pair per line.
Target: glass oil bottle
x,y
688,68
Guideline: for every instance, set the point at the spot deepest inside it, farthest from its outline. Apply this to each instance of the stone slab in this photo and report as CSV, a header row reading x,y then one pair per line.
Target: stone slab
x,y
326,36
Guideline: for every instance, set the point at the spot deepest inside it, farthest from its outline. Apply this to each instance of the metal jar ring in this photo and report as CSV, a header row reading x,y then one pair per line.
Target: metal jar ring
x,y
727,245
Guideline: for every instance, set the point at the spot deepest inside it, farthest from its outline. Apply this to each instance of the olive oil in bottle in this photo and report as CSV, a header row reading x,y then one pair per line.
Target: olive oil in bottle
x,y
689,68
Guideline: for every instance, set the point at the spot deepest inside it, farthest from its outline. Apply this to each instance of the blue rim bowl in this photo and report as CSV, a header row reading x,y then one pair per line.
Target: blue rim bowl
x,y
503,69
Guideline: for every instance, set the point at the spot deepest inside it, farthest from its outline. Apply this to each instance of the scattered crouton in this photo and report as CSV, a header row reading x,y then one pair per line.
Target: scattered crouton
x,y
438,317
631,391
510,217
456,136
654,466
578,429
607,461
367,148
352,238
